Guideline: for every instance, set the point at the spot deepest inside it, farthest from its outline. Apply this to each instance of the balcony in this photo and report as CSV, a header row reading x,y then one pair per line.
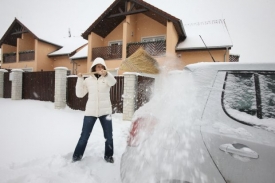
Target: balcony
x,y
107,52
154,48
26,55
9,57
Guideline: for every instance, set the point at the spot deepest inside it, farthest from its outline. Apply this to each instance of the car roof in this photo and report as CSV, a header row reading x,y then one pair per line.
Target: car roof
x,y
231,66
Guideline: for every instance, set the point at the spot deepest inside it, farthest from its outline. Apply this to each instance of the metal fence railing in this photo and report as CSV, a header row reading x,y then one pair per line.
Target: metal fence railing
x,y
9,57
154,48
26,56
107,52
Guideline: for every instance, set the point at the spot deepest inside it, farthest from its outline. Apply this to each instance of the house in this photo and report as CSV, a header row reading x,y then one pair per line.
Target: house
x,y
68,55
22,47
127,25
0,58
115,35
30,48
79,60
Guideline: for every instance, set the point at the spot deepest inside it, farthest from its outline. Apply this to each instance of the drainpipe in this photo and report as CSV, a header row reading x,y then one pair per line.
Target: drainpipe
x,y
74,67
74,71
224,59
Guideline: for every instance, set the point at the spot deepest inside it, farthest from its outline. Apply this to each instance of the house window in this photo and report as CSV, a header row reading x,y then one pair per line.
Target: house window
x,y
152,39
114,45
27,69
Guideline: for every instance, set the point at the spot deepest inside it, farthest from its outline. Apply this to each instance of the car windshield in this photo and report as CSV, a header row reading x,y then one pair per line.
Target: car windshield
x,y
249,97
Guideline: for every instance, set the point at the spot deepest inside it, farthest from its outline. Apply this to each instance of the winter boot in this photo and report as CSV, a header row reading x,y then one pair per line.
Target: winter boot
x,y
76,158
109,159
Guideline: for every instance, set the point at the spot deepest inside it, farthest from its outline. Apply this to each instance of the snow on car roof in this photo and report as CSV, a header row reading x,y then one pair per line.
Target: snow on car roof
x,y
231,66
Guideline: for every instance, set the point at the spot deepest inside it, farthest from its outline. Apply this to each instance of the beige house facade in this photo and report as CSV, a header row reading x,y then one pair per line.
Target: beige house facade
x,y
120,31
22,49
115,35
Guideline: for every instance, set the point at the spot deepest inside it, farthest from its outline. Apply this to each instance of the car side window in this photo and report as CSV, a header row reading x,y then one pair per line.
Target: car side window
x,y
239,93
267,89
249,97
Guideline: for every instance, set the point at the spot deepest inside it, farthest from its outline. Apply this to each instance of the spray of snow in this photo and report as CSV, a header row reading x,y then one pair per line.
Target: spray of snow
x,y
173,147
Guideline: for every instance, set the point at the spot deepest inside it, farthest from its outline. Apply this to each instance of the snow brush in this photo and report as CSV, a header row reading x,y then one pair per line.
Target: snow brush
x,y
140,62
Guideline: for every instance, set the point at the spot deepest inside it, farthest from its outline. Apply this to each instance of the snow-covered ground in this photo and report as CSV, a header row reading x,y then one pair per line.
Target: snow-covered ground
x,y
37,142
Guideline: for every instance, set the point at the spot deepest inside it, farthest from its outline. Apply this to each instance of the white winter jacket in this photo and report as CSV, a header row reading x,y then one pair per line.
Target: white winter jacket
x,y
98,90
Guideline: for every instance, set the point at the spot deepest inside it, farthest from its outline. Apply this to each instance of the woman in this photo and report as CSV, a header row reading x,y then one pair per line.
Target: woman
x,y
98,106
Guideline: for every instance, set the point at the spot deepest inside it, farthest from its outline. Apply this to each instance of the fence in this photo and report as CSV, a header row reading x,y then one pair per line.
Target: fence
x,y
144,90
42,86
7,85
116,95
38,85
72,101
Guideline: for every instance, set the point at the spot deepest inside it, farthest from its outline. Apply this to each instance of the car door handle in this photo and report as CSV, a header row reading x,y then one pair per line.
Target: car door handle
x,y
239,149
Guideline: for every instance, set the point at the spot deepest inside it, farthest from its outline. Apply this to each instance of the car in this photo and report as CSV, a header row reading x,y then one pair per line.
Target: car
x,y
207,123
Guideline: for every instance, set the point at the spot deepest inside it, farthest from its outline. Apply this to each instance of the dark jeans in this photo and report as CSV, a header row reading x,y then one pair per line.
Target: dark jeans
x,y
88,124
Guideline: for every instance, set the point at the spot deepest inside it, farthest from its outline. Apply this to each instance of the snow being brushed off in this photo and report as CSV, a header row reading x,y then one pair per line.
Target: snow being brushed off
x,y
37,142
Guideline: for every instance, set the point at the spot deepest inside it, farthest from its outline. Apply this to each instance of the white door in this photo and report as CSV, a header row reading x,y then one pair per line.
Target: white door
x,y
241,145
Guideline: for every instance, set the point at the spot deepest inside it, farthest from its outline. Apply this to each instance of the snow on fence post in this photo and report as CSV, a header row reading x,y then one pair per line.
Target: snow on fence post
x,y
129,95
16,78
60,87
2,71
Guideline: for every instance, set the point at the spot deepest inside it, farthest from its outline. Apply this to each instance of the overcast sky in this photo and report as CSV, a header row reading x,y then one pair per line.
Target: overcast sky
x,y
249,22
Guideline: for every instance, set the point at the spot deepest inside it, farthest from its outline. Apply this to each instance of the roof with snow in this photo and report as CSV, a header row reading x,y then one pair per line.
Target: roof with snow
x,y
17,28
71,44
46,32
82,53
214,35
117,12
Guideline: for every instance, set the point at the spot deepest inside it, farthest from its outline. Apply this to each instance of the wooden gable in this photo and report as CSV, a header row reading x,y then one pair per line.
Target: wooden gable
x,y
15,31
117,12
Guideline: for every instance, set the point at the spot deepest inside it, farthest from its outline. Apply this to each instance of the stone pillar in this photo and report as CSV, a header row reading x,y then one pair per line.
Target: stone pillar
x,y
60,87
2,71
16,84
129,95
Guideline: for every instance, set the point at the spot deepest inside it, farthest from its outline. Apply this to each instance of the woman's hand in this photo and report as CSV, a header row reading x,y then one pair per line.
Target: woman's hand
x,y
102,72
79,74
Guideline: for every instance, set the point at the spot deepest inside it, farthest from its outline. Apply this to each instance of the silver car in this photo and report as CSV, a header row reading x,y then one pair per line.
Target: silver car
x,y
209,123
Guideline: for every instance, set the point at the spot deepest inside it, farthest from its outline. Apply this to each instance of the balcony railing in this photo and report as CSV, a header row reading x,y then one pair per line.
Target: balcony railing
x,y
9,57
107,52
154,48
26,55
